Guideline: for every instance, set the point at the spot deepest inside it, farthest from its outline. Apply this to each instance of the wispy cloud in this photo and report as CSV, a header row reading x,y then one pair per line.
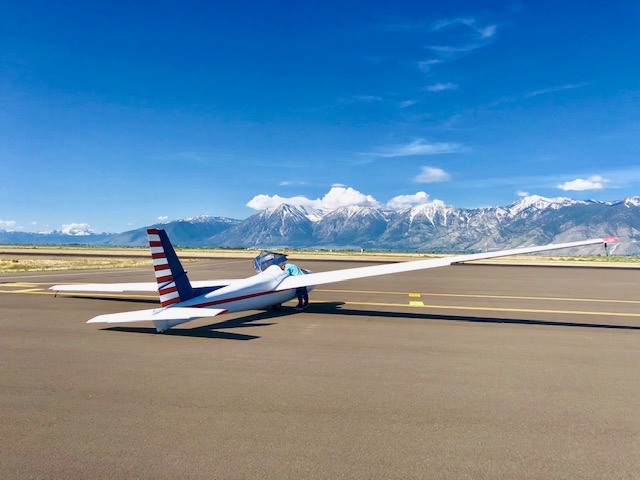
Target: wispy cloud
x,y
425,65
482,31
522,193
7,224
595,182
289,183
440,87
447,39
545,91
451,50
488,31
407,103
478,36
432,175
359,99
417,147
163,218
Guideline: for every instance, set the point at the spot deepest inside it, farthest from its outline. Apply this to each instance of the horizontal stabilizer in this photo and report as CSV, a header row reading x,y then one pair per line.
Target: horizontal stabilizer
x,y
157,314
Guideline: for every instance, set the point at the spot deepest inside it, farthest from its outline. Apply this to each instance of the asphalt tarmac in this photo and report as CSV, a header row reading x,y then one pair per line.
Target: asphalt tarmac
x,y
482,372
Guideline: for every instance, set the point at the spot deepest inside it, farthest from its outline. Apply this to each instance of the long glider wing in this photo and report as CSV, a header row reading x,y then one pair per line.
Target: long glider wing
x,y
362,272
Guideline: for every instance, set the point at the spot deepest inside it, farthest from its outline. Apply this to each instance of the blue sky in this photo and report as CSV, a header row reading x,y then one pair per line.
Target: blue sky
x,y
118,114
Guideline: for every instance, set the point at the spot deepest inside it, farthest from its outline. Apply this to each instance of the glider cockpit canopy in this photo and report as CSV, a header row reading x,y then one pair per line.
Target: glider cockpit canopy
x,y
266,259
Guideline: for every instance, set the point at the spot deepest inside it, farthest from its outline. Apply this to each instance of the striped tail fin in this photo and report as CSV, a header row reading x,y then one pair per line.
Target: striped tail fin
x,y
173,283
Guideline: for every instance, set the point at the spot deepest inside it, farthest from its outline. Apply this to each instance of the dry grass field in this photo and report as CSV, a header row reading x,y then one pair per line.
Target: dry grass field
x,y
51,258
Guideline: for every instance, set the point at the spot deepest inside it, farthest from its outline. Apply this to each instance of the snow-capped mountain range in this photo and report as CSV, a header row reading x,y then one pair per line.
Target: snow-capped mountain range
x,y
429,227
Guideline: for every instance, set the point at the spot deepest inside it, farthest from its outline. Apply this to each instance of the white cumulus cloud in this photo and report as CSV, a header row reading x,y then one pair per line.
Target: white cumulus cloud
x,y
522,193
595,182
262,201
338,196
163,218
407,201
341,196
76,229
432,175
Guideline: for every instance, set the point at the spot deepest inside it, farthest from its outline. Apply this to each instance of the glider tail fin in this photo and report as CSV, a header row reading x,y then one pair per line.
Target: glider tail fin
x,y
173,283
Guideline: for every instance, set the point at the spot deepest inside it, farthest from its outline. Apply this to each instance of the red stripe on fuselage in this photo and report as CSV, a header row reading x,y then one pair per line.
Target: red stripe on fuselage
x,y
233,299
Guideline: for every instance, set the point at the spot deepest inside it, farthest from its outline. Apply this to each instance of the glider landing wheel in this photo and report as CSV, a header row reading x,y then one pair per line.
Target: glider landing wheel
x,y
276,307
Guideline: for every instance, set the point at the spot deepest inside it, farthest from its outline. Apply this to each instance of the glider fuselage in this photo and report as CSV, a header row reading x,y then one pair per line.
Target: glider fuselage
x,y
253,293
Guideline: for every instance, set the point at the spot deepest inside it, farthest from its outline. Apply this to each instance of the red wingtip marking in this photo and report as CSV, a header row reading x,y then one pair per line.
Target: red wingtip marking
x,y
610,240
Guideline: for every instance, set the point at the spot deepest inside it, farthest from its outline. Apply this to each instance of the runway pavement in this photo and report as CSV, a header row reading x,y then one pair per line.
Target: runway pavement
x,y
483,372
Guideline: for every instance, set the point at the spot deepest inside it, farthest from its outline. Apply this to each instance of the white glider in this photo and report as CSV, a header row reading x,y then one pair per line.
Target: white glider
x,y
182,300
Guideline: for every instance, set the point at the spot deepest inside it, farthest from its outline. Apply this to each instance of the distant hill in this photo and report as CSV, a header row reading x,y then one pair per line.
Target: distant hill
x,y
189,232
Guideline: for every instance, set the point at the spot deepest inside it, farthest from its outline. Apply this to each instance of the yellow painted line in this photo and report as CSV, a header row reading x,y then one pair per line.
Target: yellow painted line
x,y
497,309
29,291
414,295
416,304
498,297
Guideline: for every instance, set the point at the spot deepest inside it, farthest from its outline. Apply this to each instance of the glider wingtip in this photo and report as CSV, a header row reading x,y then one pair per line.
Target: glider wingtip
x,y
610,239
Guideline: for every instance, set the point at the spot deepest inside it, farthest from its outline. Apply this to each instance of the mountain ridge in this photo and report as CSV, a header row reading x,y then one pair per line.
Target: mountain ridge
x,y
428,227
